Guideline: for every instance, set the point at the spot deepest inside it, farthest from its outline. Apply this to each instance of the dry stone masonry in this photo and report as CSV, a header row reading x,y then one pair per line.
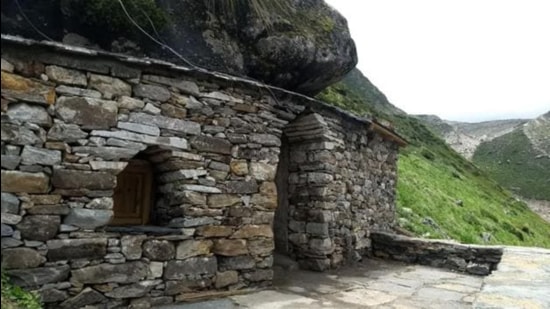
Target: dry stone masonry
x,y
238,167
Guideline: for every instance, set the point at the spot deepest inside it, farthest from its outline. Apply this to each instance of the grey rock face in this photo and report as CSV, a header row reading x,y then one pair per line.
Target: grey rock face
x,y
39,227
74,179
163,122
10,203
33,277
104,273
88,296
66,249
15,181
211,144
88,218
32,155
21,258
133,290
66,132
30,113
159,250
196,266
152,92
87,112
66,76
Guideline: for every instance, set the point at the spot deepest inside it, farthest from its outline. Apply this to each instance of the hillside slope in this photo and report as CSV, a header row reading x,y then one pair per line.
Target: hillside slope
x,y
439,193
514,162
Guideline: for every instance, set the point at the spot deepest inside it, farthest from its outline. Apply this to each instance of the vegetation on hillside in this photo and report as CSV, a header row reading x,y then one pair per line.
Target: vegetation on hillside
x,y
439,193
513,162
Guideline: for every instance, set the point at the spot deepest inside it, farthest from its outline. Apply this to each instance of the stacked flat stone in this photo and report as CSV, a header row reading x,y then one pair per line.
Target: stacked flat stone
x,y
70,123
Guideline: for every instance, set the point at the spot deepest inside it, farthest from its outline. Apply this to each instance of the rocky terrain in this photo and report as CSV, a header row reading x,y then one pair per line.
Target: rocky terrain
x,y
464,137
297,45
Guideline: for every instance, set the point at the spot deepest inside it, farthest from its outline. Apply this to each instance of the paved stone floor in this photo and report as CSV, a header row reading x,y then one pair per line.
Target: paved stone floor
x,y
521,281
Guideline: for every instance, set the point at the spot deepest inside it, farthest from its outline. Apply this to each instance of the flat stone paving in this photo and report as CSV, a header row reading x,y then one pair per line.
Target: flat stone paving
x,y
521,281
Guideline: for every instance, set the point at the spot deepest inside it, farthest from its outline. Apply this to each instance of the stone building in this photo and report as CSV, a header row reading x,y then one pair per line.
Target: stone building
x,y
136,182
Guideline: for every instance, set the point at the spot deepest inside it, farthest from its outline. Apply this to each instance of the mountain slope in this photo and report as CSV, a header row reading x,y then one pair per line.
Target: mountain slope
x,y
439,193
464,137
513,161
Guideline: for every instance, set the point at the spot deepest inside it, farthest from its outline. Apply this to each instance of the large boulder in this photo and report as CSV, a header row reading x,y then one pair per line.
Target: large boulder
x,y
298,45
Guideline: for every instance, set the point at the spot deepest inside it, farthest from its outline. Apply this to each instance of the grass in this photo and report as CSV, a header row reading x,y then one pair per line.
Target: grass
x,y
14,297
511,160
439,193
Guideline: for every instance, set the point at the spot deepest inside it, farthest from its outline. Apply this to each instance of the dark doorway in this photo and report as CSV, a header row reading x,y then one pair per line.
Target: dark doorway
x,y
280,224
133,194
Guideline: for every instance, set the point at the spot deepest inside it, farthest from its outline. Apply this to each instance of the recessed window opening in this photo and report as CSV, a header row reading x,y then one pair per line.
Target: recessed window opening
x,y
134,194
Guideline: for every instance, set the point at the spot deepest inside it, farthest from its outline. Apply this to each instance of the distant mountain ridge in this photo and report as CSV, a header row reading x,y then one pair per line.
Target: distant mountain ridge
x,y
464,137
515,152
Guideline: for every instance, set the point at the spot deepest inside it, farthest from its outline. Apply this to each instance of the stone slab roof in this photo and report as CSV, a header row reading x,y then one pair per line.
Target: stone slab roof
x,y
373,124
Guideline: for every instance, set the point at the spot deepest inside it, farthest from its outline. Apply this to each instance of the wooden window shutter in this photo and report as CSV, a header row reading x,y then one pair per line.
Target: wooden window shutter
x,y
133,194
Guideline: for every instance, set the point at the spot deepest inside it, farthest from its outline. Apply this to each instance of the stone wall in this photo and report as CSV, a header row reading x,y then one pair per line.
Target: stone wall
x,y
72,118
472,259
338,180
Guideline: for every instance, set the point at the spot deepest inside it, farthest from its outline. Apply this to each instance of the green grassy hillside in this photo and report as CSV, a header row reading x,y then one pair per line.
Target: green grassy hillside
x,y
511,160
439,193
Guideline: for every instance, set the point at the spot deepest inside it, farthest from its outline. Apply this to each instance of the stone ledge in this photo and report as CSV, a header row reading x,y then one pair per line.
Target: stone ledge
x,y
472,259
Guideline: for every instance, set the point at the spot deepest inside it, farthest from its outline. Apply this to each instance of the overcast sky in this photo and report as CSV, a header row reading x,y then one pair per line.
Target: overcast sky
x,y
467,60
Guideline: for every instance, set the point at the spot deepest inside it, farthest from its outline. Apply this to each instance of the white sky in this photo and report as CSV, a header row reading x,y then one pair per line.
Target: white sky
x,y
467,60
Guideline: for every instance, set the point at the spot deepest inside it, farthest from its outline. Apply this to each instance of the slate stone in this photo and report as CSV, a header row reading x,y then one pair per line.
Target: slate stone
x,y
39,227
139,128
211,144
67,249
171,141
79,92
178,125
33,277
29,113
131,246
15,134
223,200
237,263
25,89
21,258
191,248
263,246
11,219
10,203
15,181
133,290
158,250
226,278
104,273
251,231
196,266
69,133
88,112
52,295
9,242
186,285
88,218
259,275
130,103
230,247
170,110
111,153
265,139
87,296
184,86
110,87
317,229
153,92
262,171
74,179
242,186
66,76
33,155
49,210
7,230
10,162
